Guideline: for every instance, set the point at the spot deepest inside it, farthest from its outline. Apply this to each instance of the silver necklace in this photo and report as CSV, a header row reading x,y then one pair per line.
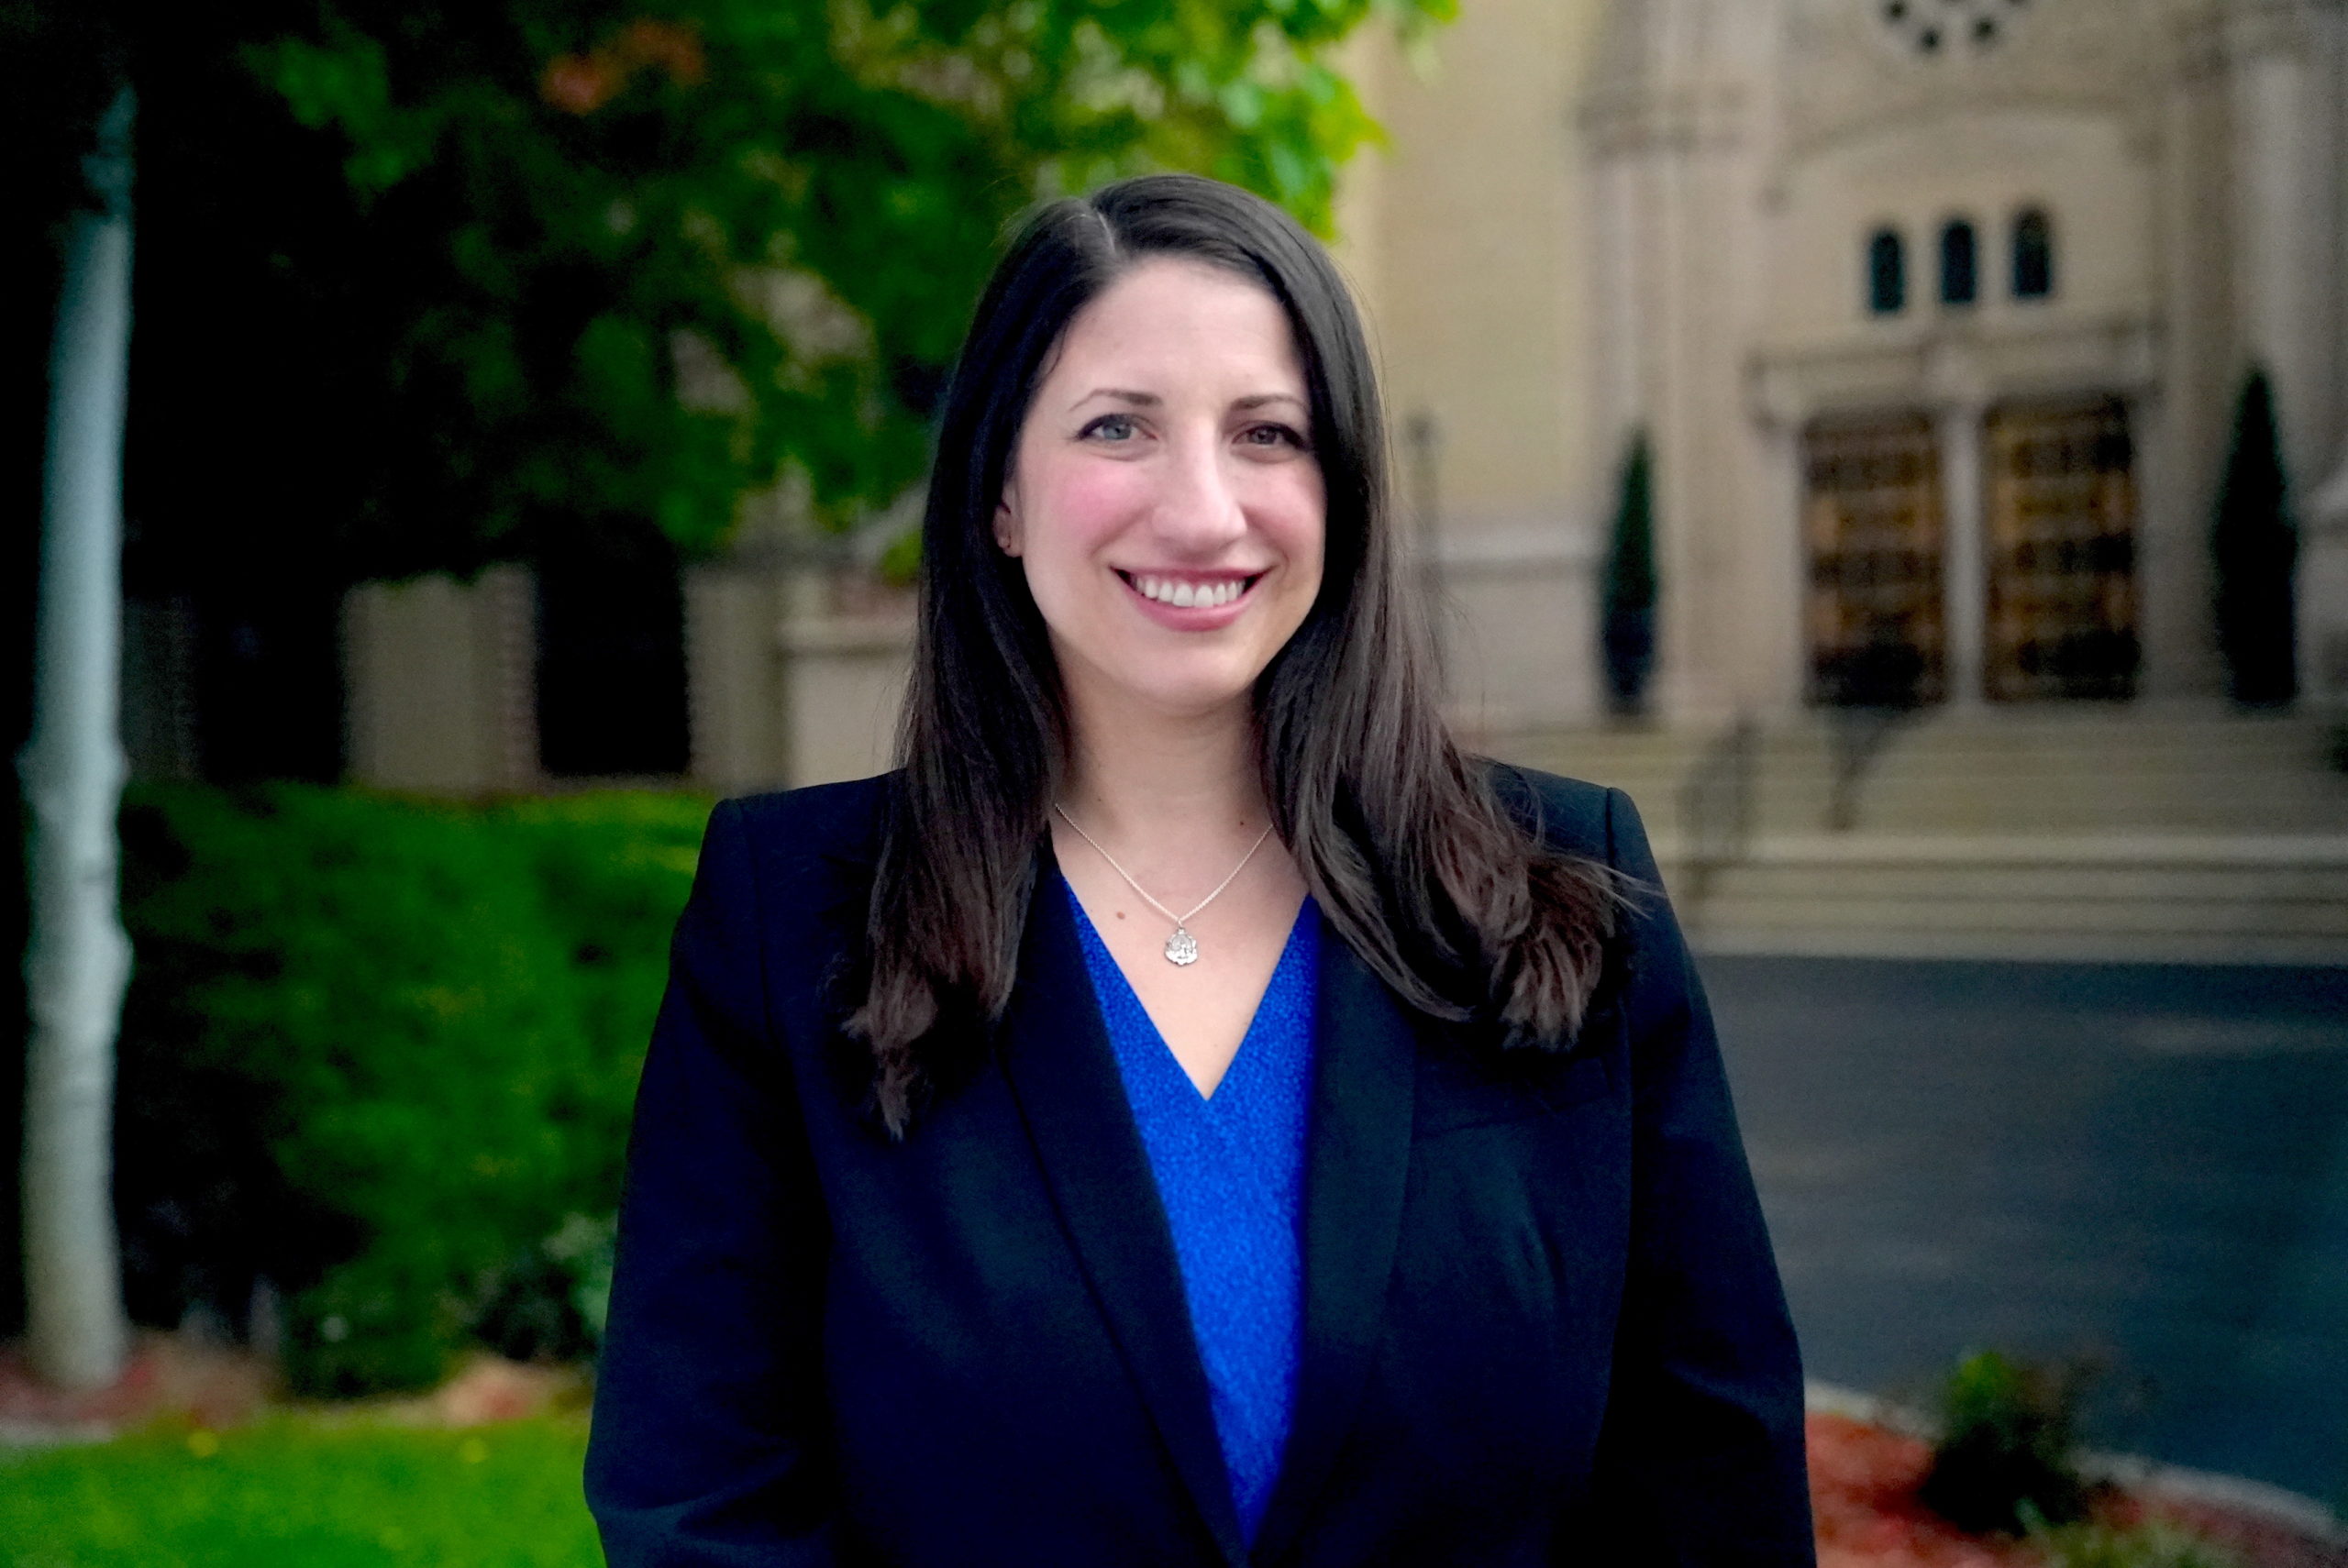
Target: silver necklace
x,y
1181,949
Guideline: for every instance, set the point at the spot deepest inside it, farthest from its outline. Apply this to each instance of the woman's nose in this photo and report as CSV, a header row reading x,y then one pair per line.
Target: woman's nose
x,y
1199,507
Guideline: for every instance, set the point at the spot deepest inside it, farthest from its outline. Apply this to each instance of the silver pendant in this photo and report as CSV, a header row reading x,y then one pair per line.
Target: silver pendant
x,y
1181,949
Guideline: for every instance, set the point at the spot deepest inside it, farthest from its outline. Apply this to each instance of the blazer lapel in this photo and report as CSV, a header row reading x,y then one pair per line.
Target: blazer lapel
x,y
1059,1061
1359,1157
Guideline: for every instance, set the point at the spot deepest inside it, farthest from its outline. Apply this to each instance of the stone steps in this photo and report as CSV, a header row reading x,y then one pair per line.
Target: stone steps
x,y
2027,775
2074,835
2266,900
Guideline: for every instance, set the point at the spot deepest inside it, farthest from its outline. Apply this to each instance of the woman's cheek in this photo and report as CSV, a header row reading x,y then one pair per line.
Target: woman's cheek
x,y
1099,499
1087,500
1302,536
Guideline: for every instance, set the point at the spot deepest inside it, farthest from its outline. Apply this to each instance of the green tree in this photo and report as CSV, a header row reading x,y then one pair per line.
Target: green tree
x,y
2255,552
429,279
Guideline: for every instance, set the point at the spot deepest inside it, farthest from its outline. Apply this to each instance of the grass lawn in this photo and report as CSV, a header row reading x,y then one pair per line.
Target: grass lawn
x,y
305,1491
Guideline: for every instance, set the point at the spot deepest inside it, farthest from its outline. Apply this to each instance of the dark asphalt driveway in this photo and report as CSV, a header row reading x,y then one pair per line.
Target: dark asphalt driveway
x,y
2145,1164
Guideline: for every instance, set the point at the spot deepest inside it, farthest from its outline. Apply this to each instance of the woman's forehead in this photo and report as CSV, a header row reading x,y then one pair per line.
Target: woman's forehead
x,y
1172,325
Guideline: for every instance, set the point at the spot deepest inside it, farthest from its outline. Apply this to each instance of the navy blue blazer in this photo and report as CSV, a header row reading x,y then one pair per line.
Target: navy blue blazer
x,y
1541,1324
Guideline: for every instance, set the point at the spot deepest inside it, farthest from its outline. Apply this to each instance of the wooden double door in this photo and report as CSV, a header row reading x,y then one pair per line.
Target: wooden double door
x,y
2059,514
1872,520
2057,544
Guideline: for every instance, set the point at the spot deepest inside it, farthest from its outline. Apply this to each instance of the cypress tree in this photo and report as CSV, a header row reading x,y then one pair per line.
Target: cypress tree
x,y
1627,590
2255,550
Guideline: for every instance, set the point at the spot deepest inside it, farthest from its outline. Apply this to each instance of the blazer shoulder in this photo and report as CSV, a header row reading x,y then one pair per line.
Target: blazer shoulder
x,y
839,823
799,862
1570,815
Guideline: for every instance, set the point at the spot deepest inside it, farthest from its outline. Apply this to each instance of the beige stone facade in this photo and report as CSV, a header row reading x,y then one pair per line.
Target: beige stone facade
x,y
1467,239
1657,214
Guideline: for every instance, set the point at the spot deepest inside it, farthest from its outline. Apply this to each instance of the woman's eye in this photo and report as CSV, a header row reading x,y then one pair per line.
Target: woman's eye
x,y
1272,436
1111,427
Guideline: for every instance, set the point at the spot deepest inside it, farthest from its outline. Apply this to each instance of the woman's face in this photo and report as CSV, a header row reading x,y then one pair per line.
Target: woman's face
x,y
1164,497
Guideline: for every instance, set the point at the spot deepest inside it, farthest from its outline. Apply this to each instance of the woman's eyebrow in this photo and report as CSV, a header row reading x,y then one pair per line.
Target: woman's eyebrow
x,y
1151,400
1138,399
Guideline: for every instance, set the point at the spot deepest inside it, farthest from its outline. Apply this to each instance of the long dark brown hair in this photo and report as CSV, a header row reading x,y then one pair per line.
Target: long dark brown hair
x,y
1414,861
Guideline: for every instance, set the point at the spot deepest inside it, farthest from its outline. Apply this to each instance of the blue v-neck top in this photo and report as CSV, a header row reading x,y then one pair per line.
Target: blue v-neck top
x,y
1230,1174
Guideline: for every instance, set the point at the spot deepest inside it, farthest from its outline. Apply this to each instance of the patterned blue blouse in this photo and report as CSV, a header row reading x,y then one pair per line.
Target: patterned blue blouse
x,y
1229,1171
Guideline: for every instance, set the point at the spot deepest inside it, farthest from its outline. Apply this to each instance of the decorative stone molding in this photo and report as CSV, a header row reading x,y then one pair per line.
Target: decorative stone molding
x,y
1505,549
2248,29
2208,38
1848,73
1623,121
1788,385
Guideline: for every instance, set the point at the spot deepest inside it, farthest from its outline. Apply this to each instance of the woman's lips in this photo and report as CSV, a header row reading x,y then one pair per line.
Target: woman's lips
x,y
1156,593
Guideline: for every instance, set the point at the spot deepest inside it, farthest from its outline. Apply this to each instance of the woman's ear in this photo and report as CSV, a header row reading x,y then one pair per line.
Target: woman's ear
x,y
1007,524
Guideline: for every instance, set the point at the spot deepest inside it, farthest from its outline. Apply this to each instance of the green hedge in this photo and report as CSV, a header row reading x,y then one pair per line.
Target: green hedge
x,y
380,1054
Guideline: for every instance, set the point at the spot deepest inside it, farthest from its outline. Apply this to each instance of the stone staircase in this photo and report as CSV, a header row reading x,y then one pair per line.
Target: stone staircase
x,y
2086,833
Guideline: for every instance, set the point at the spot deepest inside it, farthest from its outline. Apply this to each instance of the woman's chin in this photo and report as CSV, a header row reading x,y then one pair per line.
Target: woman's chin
x,y
1186,694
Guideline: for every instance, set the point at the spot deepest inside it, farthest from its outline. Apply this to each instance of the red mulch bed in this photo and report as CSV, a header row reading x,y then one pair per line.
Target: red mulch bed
x,y
167,1375
215,1387
1863,1482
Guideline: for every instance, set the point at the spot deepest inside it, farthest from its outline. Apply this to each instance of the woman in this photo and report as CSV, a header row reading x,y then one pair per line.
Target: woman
x,y
1189,1113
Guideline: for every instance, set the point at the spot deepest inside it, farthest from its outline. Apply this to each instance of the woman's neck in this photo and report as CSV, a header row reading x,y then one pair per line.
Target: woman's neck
x,y
1154,781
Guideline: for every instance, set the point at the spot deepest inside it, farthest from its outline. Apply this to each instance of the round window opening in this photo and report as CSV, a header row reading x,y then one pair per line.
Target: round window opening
x,y
1936,29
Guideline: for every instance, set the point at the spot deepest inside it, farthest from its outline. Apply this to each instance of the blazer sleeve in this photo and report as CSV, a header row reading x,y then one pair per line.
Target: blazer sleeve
x,y
710,1442
1700,1454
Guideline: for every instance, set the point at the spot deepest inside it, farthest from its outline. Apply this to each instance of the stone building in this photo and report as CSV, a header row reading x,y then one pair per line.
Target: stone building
x,y
1935,313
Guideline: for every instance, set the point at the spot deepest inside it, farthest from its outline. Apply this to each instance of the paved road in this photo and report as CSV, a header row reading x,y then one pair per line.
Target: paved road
x,y
2149,1164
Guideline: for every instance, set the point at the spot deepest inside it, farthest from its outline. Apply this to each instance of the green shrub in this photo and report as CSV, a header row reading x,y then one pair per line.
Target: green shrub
x,y
2149,1544
548,1302
378,1052
2005,1458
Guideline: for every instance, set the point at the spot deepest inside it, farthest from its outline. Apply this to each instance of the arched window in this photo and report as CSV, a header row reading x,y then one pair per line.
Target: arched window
x,y
1960,269
2034,255
1887,273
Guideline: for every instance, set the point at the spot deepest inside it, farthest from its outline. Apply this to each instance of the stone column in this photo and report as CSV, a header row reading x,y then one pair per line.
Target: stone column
x,y
2283,193
507,616
2323,516
1783,625
2323,594
442,683
846,676
734,678
1965,569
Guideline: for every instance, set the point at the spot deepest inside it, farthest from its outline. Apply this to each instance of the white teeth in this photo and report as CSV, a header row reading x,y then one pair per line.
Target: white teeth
x,y
1188,595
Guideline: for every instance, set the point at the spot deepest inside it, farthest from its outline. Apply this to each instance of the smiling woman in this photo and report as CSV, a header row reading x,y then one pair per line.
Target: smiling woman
x,y
1190,1111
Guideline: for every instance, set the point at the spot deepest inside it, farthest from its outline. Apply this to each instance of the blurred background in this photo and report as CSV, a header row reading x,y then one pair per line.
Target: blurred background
x,y
1904,443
